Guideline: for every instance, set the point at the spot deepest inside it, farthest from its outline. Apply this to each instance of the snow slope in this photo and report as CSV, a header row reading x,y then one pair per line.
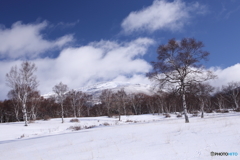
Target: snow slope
x,y
141,137
129,88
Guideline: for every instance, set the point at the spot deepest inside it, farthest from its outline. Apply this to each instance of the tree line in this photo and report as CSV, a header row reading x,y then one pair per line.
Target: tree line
x,y
200,98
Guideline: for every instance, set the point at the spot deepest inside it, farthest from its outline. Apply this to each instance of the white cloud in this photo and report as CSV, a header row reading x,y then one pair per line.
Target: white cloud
x,y
229,74
26,40
162,15
98,61
134,79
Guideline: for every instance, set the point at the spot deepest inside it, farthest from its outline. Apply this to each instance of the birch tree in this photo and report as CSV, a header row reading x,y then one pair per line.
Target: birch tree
x,y
88,103
82,100
34,100
73,97
122,96
22,81
179,63
203,93
60,90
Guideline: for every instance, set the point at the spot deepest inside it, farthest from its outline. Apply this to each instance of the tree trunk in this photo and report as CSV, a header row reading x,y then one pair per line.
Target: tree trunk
x,y
134,108
79,111
25,114
108,111
119,114
185,107
162,108
34,117
88,109
202,109
16,113
74,111
62,113
124,108
236,103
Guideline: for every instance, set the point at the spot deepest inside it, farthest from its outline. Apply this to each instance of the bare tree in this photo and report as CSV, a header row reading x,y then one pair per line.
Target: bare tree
x,y
73,97
82,99
202,92
60,90
133,102
232,90
15,103
22,81
179,63
117,103
34,99
106,99
219,98
151,102
160,96
136,101
122,96
88,103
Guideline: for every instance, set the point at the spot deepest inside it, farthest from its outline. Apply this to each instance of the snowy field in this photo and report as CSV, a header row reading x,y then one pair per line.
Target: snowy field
x,y
143,137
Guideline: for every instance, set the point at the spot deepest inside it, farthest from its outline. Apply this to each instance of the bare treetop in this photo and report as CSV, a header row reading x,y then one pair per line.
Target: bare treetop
x,y
60,89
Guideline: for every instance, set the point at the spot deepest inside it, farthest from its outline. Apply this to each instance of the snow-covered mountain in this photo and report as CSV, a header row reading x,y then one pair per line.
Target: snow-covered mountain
x,y
115,86
129,88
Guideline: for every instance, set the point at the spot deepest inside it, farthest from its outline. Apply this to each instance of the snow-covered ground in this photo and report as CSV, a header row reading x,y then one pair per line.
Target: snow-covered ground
x,y
134,138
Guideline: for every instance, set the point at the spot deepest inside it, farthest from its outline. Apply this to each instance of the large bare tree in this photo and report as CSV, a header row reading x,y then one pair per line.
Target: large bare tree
x,y
60,90
23,82
179,64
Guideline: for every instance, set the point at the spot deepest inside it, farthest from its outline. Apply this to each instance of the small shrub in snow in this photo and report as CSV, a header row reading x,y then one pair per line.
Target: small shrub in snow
x,y
22,136
74,120
209,111
179,115
195,113
130,121
106,124
167,115
225,111
110,115
46,118
221,111
75,128
88,127
31,121
237,110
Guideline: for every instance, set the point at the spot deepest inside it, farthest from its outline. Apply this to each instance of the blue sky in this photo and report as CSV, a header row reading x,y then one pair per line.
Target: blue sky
x,y
82,42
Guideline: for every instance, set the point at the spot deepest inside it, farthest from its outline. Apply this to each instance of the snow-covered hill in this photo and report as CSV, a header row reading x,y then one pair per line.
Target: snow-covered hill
x,y
138,137
129,88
